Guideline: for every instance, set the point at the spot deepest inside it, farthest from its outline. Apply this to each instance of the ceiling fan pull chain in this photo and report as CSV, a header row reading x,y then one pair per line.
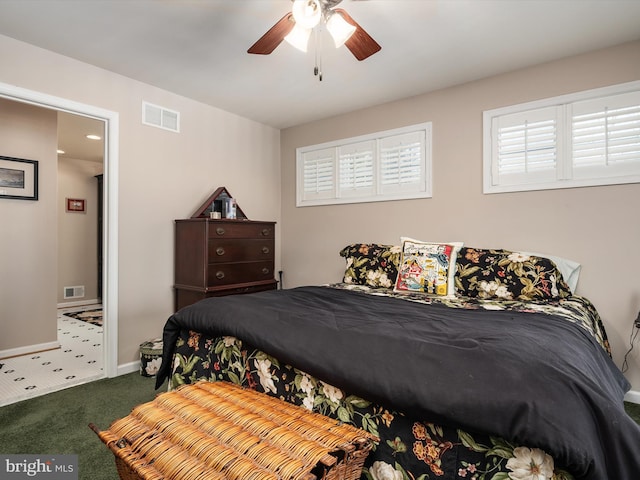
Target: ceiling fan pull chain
x,y
316,70
319,53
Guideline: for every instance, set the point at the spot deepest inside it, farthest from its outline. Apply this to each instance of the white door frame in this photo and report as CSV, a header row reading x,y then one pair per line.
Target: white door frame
x,y
110,232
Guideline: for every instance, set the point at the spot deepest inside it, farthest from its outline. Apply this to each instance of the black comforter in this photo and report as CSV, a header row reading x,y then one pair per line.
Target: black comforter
x,y
532,378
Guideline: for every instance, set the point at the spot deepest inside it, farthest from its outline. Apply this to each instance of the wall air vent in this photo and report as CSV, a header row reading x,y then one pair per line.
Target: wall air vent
x,y
160,117
74,292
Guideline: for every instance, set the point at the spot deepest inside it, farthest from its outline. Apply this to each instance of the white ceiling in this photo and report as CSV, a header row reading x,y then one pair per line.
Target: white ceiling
x,y
198,48
72,137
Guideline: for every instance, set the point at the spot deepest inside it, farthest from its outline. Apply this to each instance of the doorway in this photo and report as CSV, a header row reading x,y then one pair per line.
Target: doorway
x,y
110,205
80,178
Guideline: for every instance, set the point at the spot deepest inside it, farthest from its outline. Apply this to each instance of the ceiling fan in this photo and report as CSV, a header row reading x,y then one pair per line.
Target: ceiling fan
x,y
296,26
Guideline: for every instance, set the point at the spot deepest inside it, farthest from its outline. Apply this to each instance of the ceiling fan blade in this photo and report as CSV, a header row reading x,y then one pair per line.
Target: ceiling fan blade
x,y
270,40
361,44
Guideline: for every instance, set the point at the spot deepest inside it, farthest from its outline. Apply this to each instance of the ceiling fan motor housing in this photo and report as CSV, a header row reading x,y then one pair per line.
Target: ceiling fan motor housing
x,y
307,13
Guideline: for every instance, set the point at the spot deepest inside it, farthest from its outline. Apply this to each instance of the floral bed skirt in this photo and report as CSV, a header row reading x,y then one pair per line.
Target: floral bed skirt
x,y
409,448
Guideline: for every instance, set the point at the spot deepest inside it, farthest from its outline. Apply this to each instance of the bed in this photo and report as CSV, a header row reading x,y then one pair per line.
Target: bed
x,y
467,363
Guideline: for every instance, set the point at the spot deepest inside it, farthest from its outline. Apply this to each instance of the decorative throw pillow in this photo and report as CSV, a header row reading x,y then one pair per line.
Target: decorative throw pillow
x,y
371,264
507,275
427,267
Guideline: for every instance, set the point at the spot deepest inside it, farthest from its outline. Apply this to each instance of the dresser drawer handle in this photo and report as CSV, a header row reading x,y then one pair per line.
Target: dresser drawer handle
x,y
265,270
265,232
220,251
219,274
220,231
265,250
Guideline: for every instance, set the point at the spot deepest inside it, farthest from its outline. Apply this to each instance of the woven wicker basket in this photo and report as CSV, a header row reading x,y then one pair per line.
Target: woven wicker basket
x,y
221,431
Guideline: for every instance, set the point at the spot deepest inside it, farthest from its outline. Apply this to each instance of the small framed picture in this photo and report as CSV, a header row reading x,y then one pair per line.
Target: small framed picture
x,y
18,178
76,205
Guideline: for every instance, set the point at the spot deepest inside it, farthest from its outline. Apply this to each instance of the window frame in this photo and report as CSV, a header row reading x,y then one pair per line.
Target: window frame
x,y
421,188
564,177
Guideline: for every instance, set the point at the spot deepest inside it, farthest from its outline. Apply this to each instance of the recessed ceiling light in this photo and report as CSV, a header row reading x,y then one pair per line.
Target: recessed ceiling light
x,y
93,137
61,152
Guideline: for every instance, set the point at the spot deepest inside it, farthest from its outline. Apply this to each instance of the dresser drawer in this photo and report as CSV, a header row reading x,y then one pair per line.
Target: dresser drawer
x,y
241,230
242,272
242,249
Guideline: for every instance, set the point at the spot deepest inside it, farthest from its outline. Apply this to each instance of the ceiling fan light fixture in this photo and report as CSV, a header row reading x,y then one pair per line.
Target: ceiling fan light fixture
x,y
340,29
307,13
299,37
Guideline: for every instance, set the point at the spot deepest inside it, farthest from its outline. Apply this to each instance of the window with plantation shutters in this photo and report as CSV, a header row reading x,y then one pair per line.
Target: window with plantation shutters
x,y
356,169
318,174
605,136
526,147
390,165
401,162
583,139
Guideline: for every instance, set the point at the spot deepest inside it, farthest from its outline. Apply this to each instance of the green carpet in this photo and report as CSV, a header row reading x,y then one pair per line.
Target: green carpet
x,y
633,409
57,423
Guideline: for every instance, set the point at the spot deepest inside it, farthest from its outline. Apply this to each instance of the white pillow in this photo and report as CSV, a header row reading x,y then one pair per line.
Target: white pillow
x,y
569,269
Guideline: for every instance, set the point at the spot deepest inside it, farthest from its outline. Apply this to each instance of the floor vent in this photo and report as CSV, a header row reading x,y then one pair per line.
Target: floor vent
x,y
74,292
160,117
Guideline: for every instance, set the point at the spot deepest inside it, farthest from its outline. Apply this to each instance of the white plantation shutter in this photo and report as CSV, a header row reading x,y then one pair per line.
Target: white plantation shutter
x,y
605,136
401,162
583,139
526,147
356,162
318,174
390,165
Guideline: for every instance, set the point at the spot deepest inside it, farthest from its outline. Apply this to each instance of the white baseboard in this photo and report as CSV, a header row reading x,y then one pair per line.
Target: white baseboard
x,y
79,303
128,368
632,396
40,347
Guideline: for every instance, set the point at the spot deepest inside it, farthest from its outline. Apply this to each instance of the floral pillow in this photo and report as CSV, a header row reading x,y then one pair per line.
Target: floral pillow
x,y
371,264
427,267
506,275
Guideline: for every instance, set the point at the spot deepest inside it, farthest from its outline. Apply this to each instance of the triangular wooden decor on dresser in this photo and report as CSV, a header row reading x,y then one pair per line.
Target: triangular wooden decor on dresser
x,y
221,193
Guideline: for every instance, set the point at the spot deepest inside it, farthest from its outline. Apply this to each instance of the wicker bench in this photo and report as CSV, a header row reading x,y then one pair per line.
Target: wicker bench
x,y
217,430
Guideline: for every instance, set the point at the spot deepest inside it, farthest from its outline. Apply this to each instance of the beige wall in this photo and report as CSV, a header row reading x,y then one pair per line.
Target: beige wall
x,y
78,232
28,232
162,176
597,227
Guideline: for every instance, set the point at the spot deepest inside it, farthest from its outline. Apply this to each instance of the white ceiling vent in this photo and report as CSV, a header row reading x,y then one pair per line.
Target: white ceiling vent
x,y
160,117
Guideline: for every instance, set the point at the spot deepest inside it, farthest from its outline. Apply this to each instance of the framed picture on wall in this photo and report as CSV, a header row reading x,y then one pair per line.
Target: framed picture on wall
x,y
18,178
76,205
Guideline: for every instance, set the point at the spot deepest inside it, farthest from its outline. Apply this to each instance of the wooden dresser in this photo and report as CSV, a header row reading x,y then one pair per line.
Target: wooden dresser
x,y
215,257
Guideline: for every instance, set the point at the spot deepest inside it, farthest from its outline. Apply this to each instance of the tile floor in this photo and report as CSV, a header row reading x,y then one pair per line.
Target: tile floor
x,y
79,360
